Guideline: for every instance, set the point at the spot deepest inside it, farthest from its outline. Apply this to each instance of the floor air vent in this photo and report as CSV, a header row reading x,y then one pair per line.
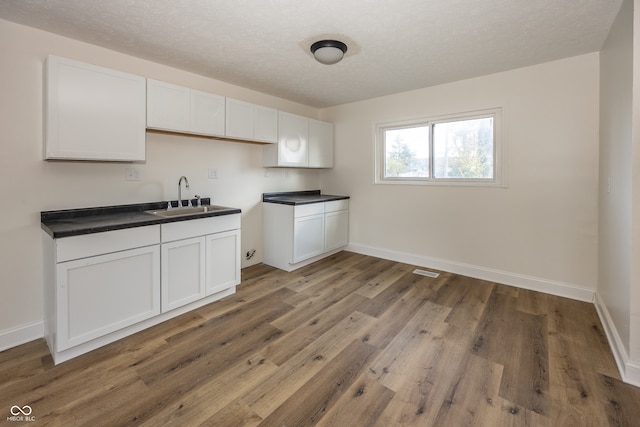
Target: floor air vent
x,y
426,273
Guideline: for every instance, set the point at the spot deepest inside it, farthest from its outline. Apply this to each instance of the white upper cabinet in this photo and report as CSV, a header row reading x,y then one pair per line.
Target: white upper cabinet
x,y
302,143
239,119
251,122
179,109
293,142
320,144
168,106
93,113
266,124
207,113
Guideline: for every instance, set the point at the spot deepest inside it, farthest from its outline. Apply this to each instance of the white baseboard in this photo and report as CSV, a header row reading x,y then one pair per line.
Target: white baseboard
x,y
552,287
21,335
629,371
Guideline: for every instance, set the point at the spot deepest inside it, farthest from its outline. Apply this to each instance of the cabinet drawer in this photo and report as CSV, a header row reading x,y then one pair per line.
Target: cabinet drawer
x,y
87,245
336,205
199,227
310,209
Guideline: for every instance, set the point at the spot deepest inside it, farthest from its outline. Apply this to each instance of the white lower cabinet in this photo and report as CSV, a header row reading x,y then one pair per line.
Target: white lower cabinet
x,y
308,235
101,294
336,229
222,261
294,236
183,269
199,257
102,282
104,286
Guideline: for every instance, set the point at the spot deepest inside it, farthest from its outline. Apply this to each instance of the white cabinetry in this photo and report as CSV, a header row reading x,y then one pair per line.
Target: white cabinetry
x,y
179,109
104,286
222,260
183,269
199,257
293,141
207,113
93,113
302,142
251,122
103,283
308,231
320,144
294,236
336,224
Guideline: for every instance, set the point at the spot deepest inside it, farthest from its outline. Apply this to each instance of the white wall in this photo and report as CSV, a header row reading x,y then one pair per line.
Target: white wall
x,y
540,232
30,185
614,260
635,200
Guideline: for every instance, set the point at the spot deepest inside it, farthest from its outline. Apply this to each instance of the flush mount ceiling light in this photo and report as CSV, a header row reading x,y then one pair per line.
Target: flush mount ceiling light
x,y
328,51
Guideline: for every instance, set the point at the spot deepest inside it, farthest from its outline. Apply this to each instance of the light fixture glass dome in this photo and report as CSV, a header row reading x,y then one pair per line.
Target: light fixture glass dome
x,y
328,51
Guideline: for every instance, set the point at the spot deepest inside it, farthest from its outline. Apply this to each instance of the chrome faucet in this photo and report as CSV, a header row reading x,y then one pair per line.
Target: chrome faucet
x,y
186,185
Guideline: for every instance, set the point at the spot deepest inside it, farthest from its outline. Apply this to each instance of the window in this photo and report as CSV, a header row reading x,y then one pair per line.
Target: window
x,y
461,149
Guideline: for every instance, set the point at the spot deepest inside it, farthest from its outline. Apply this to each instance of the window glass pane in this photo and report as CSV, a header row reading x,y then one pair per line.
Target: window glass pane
x,y
406,152
463,149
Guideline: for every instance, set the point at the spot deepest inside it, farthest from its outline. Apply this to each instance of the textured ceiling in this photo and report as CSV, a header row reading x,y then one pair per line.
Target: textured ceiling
x,y
394,46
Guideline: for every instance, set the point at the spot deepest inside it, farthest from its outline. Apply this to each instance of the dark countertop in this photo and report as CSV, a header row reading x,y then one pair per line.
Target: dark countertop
x,y
74,222
300,197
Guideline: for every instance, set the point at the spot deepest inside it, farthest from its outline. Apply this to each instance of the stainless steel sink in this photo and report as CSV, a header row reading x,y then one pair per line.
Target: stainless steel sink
x,y
195,210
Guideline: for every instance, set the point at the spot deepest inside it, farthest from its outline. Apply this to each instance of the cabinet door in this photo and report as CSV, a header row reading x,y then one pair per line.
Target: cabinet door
x,y
308,237
183,272
207,113
223,261
168,106
239,119
266,124
293,140
336,229
101,294
251,122
93,113
320,144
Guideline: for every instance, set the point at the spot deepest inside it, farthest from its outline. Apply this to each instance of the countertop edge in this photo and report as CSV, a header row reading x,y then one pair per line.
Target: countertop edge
x,y
49,219
293,198
307,202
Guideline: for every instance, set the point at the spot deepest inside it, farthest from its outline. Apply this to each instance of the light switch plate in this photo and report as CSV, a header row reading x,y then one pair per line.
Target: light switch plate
x,y
132,174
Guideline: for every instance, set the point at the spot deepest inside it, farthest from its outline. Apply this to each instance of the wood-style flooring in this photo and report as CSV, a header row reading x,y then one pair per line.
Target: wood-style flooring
x,y
348,341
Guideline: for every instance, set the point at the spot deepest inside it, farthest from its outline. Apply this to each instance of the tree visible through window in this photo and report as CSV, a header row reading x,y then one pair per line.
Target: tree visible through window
x,y
461,148
407,152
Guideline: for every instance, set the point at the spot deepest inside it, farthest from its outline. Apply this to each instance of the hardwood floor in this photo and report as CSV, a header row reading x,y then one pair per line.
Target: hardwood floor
x,y
348,341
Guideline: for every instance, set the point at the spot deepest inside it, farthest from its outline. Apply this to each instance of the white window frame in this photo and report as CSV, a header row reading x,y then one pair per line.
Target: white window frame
x,y
499,150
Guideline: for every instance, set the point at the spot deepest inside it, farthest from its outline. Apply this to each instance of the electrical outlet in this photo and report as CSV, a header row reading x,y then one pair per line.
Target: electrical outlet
x,y
213,173
132,174
267,174
250,253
